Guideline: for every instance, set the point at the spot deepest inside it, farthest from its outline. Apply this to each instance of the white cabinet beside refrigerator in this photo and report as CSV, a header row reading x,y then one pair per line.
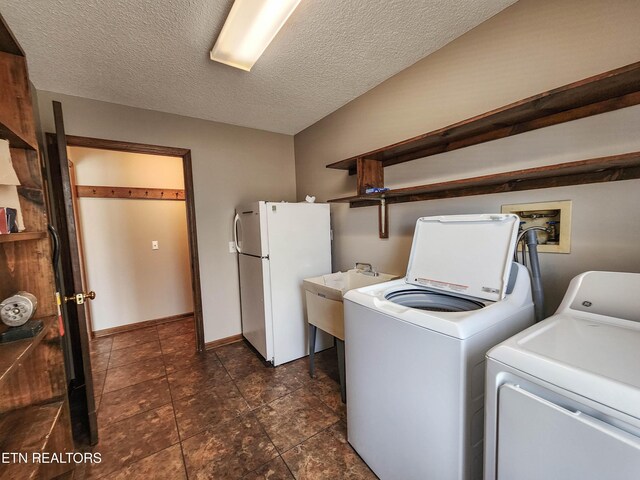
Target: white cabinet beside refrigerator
x,y
279,245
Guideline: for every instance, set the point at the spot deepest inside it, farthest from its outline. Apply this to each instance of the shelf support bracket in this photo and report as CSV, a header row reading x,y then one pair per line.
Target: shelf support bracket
x,y
383,219
370,174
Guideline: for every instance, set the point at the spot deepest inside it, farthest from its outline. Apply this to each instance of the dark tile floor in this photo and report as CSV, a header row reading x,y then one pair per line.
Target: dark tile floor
x,y
165,412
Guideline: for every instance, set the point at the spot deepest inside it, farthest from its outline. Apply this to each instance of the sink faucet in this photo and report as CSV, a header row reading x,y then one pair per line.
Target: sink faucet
x,y
366,269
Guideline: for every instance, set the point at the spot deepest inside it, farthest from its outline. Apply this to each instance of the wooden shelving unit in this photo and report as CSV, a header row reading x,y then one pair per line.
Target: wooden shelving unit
x,y
34,409
27,264
602,93
18,237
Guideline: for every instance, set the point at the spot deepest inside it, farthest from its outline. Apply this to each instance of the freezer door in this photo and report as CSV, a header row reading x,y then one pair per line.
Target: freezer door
x,y
538,439
249,229
255,303
299,247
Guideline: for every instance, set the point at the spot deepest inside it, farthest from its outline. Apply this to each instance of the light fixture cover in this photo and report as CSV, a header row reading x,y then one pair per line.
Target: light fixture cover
x,y
249,29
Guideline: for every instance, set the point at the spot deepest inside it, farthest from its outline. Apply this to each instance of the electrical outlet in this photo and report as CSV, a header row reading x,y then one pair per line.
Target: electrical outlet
x,y
232,247
154,245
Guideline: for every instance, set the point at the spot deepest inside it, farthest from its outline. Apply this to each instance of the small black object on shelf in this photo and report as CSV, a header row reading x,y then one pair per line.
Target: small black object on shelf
x,y
12,220
28,330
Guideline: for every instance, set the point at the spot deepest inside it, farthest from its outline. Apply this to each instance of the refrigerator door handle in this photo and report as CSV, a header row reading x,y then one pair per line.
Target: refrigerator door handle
x,y
235,232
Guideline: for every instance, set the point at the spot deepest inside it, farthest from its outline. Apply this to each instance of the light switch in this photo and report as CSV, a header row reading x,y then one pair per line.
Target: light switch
x,y
154,245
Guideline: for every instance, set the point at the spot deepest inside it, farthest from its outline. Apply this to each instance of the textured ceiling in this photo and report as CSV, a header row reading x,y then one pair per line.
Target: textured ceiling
x,y
154,54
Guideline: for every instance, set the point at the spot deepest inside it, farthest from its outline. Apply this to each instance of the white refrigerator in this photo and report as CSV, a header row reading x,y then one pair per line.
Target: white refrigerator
x,y
279,245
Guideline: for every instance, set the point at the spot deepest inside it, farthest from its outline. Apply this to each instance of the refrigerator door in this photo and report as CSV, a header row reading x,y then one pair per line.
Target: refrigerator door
x,y
255,302
249,228
299,237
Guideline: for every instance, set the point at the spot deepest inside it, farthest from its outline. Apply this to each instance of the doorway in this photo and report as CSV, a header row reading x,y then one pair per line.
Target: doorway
x,y
83,146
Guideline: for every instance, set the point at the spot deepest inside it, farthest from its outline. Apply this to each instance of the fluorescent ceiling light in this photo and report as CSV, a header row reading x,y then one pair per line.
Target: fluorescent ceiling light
x,y
249,29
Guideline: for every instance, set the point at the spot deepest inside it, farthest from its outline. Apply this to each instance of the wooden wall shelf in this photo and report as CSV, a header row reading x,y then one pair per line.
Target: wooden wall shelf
x,y
13,354
594,170
30,430
15,140
18,237
16,112
598,94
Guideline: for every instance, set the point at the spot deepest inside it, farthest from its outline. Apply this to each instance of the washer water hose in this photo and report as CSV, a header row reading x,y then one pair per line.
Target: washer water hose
x,y
536,279
530,240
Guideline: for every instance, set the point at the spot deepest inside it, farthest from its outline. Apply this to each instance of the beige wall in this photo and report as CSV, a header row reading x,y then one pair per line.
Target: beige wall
x,y
231,165
141,283
530,47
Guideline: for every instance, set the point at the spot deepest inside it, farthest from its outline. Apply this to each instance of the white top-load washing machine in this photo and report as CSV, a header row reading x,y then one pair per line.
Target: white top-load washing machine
x,y
415,348
563,397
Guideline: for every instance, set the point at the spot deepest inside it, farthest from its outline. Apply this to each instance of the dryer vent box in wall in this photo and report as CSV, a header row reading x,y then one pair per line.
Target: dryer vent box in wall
x,y
554,216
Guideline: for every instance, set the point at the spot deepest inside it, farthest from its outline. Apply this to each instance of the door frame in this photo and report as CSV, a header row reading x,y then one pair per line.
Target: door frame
x,y
185,155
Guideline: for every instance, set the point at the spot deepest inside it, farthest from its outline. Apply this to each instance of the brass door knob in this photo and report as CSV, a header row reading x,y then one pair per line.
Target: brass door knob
x,y
79,298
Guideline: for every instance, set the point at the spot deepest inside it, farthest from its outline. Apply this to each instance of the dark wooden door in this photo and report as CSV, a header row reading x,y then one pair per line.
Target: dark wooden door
x,y
82,394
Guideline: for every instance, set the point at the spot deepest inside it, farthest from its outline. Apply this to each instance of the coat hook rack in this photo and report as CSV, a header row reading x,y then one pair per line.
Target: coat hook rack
x,y
133,193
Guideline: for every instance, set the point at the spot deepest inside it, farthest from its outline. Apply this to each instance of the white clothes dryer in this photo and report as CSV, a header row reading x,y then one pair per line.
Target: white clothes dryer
x,y
563,397
415,348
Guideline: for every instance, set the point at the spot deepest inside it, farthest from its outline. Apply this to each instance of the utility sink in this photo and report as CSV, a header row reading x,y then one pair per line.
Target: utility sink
x,y
324,297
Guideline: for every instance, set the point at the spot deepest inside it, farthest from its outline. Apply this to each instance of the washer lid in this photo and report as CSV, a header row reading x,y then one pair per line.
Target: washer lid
x,y
465,254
